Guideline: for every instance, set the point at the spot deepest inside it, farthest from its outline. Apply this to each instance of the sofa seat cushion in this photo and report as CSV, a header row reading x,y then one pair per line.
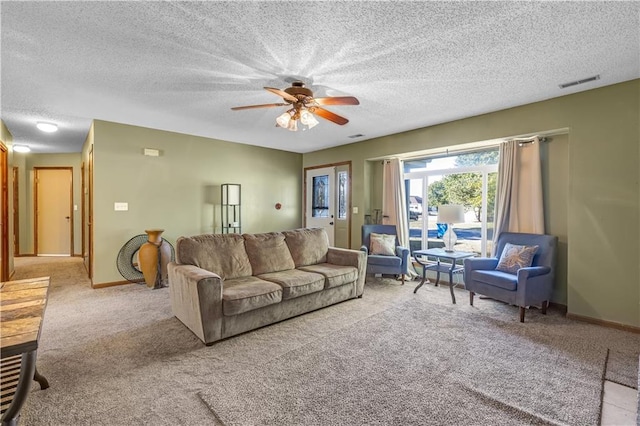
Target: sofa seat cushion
x,y
382,260
308,246
496,278
268,253
295,282
335,275
248,293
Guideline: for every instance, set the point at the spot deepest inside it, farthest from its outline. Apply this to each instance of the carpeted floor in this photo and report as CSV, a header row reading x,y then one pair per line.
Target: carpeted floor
x,y
116,356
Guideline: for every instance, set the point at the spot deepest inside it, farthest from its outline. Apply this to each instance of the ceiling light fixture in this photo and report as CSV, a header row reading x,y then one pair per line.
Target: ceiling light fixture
x,y
21,148
47,127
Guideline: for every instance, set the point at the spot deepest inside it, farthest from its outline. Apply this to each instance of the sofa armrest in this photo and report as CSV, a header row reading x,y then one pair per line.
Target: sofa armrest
x,y
348,257
196,300
365,250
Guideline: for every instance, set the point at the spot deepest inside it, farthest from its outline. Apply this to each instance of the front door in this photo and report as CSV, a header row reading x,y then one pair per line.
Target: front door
x,y
54,218
320,200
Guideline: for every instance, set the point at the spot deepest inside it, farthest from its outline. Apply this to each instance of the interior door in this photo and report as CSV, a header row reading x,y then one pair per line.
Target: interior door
x,y
320,196
54,211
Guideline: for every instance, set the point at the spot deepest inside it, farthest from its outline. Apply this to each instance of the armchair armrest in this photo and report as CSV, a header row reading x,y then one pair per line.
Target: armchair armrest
x,y
196,300
535,284
403,253
532,271
348,257
365,250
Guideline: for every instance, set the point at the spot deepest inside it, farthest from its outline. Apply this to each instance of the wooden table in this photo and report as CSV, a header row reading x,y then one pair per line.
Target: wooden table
x,y
22,305
421,257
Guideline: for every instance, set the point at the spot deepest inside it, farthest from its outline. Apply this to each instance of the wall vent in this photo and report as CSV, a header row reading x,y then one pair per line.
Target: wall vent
x,y
584,80
359,135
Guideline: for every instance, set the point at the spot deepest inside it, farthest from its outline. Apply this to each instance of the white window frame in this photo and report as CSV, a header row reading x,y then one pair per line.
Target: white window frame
x,y
424,175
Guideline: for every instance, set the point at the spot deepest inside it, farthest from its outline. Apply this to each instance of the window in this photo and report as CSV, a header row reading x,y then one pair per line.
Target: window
x,y
468,179
342,195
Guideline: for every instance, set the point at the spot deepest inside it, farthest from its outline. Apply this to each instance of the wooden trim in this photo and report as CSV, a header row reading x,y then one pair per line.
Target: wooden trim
x,y
350,201
4,213
26,255
16,211
604,323
558,306
82,207
36,209
114,283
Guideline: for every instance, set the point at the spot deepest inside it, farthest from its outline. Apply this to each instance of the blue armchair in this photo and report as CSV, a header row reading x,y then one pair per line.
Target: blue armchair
x,y
528,286
384,264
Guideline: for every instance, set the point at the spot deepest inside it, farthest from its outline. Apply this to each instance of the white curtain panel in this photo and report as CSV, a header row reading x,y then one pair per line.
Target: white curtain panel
x,y
519,206
394,209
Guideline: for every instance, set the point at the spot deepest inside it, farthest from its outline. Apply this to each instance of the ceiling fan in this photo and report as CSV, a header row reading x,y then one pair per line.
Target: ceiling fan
x,y
304,105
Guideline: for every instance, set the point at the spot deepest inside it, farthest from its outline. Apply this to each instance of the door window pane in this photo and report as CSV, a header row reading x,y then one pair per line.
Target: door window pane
x,y
342,195
320,196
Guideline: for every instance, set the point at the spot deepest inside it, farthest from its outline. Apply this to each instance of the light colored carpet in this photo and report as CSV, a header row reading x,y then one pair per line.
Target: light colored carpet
x,y
417,364
117,356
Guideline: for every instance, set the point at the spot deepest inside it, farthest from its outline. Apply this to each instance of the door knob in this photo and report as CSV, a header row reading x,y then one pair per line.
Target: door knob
x,y
67,217
330,223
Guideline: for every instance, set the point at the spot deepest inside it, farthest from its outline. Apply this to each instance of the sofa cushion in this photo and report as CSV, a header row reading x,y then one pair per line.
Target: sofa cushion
x,y
295,282
335,275
500,279
248,293
382,260
268,253
223,254
308,246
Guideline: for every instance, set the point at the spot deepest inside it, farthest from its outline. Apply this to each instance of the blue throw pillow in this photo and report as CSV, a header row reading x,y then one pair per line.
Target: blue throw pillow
x,y
515,257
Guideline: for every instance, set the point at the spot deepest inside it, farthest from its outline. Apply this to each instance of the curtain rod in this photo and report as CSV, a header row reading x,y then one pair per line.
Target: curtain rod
x,y
525,141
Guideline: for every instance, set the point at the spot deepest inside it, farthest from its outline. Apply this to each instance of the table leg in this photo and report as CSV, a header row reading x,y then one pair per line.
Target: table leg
x,y
27,370
437,273
44,383
424,278
453,297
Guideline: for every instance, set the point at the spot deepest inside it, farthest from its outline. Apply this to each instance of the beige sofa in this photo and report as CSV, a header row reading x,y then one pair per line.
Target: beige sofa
x,y
225,284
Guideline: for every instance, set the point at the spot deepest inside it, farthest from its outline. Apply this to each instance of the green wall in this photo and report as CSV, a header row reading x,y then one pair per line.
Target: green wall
x,y
178,190
602,184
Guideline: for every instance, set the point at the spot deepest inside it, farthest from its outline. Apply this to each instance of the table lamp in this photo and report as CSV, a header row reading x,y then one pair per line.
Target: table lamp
x,y
450,214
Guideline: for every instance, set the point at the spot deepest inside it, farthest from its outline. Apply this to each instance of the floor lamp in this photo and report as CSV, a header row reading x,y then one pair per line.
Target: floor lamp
x,y
450,214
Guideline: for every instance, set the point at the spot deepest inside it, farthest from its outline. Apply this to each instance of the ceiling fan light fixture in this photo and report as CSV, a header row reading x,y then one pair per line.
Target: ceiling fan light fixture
x,y
308,119
47,127
284,119
293,125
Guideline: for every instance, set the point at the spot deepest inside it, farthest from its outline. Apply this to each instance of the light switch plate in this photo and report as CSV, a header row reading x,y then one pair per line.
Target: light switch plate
x,y
355,210
121,207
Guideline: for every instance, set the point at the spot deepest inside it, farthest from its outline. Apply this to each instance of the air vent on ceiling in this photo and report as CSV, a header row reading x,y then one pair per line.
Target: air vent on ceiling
x,y
359,135
584,80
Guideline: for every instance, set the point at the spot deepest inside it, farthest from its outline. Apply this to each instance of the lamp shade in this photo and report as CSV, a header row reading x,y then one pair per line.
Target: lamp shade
x,y
231,194
450,213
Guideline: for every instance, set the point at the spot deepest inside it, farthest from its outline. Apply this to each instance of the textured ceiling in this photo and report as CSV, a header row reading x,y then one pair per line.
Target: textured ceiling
x,y
181,66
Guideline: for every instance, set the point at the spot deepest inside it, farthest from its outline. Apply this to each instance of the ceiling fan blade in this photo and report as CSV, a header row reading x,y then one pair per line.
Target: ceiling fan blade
x,y
282,94
328,115
337,100
257,106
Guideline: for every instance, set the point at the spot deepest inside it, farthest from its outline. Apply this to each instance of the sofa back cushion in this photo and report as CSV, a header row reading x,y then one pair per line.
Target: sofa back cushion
x,y
308,246
223,254
268,253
